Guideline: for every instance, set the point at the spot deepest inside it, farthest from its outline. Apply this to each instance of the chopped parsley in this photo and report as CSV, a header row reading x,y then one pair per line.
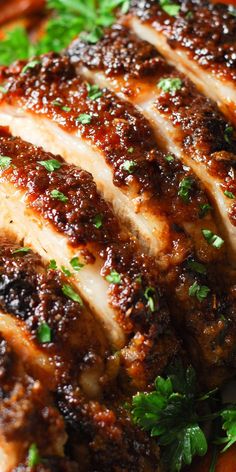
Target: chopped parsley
x,y
129,166
51,165
30,65
199,291
76,264
59,104
228,134
204,210
14,46
22,250
94,36
169,158
66,271
98,221
5,162
150,294
44,333
57,195
169,7
84,118
114,277
213,239
131,150
185,187
170,85
52,264
229,194
34,458
197,267
69,292
94,92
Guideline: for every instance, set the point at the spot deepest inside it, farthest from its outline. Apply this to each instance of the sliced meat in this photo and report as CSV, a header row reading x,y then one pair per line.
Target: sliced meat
x,y
26,412
199,38
143,184
187,124
115,279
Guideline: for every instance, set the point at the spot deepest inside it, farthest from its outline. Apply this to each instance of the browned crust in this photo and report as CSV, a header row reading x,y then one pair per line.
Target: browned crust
x,y
207,34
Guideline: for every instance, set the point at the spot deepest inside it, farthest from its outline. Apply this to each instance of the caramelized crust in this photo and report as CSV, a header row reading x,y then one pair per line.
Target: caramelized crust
x,y
205,30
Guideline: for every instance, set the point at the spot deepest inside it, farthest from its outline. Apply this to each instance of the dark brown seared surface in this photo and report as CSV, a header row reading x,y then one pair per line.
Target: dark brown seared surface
x,y
205,30
208,326
202,129
26,408
34,295
117,129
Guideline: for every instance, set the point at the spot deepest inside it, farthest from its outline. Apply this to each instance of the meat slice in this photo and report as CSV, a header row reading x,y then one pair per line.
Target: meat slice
x,y
116,280
26,412
143,184
94,420
187,124
199,39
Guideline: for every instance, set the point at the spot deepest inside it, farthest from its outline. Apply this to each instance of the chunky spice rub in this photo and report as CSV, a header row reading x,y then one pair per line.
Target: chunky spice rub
x,y
143,184
187,124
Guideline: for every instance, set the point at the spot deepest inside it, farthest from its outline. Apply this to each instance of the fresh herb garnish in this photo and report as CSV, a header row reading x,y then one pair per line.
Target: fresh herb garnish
x,y
84,118
76,264
114,277
14,46
2,89
52,264
51,165
58,103
5,162
169,7
150,294
169,158
69,292
129,166
170,85
44,333
131,150
204,210
229,417
22,250
197,267
66,271
94,92
170,414
213,239
229,194
228,134
199,291
30,65
33,456
232,10
98,221
185,187
57,195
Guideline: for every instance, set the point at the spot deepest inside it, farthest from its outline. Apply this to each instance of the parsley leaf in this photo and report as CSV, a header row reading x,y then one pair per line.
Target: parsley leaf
x,y
170,414
57,195
229,417
204,209
199,291
22,250
197,267
16,45
150,295
94,92
52,265
44,333
51,165
76,264
33,456
229,194
228,134
184,189
84,118
213,239
98,221
69,292
169,7
170,85
129,166
114,277
5,162
29,65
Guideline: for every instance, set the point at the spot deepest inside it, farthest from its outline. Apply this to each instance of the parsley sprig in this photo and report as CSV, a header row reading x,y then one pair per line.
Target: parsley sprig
x,y
70,18
175,414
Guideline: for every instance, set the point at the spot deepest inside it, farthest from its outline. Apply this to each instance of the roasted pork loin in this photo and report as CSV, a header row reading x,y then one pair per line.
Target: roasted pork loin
x,y
187,124
199,39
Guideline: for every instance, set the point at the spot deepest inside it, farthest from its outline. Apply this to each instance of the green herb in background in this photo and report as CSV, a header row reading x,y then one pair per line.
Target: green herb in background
x,y
71,17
